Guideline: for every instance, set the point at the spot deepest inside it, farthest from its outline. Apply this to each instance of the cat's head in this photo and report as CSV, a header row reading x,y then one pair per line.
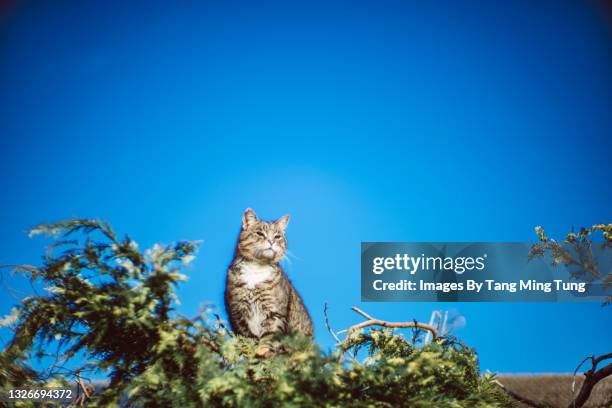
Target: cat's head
x,y
262,241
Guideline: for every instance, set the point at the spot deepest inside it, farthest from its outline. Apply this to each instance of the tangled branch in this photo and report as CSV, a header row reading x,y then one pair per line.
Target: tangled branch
x,y
371,321
591,377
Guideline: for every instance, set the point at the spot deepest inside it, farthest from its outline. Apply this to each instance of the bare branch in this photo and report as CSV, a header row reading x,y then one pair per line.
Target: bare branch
x,y
80,382
395,325
591,357
331,331
591,378
361,312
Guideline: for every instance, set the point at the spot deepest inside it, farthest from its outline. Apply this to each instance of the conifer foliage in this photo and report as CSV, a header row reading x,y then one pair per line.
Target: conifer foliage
x,y
107,309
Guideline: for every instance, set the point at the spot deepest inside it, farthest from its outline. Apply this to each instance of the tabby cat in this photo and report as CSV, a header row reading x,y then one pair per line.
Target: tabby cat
x,y
259,298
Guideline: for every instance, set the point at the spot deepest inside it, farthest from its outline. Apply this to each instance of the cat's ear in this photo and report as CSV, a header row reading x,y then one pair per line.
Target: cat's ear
x,y
282,222
248,218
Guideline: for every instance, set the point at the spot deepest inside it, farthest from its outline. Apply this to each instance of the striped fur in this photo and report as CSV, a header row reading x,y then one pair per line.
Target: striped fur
x,y
259,298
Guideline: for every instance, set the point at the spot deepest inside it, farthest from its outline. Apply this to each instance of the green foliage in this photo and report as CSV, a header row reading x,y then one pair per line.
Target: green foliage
x,y
109,310
576,253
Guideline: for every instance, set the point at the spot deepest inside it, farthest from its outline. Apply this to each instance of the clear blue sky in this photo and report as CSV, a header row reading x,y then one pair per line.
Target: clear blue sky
x,y
366,121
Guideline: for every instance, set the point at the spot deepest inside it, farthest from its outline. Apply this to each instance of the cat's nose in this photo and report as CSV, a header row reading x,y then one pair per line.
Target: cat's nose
x,y
271,242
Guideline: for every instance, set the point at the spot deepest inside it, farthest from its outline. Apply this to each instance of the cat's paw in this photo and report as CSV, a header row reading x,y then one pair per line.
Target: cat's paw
x,y
263,352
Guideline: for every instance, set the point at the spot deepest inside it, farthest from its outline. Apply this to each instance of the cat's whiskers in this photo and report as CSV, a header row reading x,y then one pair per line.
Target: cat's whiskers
x,y
290,254
286,259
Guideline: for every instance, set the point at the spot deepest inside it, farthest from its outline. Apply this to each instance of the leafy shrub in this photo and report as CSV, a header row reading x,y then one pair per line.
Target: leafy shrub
x,y
109,310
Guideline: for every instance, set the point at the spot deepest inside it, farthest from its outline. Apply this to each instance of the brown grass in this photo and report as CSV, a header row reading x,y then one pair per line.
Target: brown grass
x,y
556,390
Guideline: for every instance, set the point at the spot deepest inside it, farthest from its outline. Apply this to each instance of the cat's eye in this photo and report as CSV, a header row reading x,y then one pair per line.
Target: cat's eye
x,y
261,234
277,236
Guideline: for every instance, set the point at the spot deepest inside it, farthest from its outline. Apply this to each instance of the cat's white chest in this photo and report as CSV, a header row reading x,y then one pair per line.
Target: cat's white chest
x,y
253,273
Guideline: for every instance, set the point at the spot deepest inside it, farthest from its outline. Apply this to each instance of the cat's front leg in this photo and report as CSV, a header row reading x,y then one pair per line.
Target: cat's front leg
x,y
274,324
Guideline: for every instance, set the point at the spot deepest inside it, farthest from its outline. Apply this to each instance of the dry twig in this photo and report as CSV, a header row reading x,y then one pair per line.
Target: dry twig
x,y
331,331
87,391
